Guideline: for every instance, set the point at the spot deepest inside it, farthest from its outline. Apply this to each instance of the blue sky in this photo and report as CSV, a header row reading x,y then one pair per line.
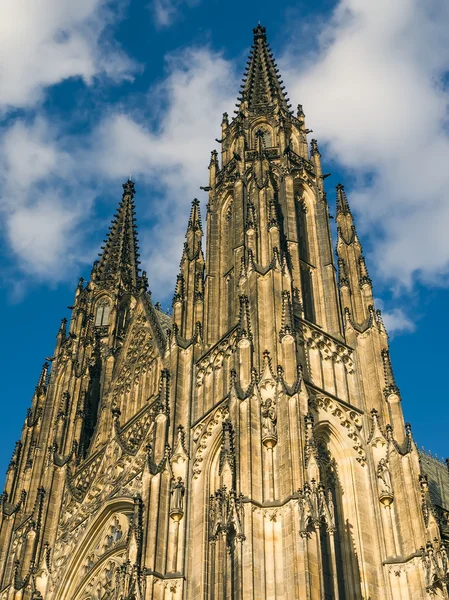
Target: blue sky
x,y
93,91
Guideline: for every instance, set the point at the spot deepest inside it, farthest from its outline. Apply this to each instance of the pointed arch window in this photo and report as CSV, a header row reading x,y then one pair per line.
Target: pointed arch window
x,y
266,136
307,292
102,314
303,234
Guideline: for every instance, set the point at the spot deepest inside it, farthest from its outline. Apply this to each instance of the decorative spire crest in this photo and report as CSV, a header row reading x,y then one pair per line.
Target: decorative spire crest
x,y
119,265
390,382
342,201
262,89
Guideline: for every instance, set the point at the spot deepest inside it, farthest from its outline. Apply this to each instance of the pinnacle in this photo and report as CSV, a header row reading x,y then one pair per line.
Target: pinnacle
x,y
118,264
260,32
42,381
262,87
195,217
342,201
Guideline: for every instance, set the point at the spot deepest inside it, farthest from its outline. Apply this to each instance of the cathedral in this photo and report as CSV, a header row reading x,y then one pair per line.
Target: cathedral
x,y
250,445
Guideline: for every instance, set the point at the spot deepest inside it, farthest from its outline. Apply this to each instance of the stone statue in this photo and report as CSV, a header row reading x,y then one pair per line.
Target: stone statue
x,y
177,492
384,477
269,419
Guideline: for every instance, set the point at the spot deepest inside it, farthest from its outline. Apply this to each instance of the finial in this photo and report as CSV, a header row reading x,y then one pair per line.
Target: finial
x,y
118,266
314,150
128,188
342,201
260,32
43,378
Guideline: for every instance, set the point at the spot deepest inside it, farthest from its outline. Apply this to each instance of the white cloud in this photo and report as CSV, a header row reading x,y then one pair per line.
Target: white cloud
x,y
42,203
43,235
374,93
44,42
40,200
165,12
395,319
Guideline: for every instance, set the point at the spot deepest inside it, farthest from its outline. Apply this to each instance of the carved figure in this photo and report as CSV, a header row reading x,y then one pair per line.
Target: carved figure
x,y
384,477
269,419
177,492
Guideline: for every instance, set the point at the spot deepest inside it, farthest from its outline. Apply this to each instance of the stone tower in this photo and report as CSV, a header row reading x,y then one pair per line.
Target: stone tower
x,y
249,446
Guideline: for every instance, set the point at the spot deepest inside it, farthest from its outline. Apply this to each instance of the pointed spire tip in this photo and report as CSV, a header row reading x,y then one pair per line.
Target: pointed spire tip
x,y
260,33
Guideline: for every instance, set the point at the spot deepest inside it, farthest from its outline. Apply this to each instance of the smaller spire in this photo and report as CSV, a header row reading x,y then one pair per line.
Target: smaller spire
x,y
62,331
390,382
260,33
194,234
287,315
314,150
380,322
342,201
195,217
365,279
118,264
179,295
244,326
43,379
250,223
273,220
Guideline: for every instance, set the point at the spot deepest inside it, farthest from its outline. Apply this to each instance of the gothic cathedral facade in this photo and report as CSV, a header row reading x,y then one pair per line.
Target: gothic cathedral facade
x,y
250,445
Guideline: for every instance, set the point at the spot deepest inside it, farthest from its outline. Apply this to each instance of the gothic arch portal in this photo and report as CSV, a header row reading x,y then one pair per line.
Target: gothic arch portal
x,y
90,574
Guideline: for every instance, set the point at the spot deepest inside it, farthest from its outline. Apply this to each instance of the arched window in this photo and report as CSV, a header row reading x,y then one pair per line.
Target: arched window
x,y
306,266
265,134
307,293
102,315
303,234
266,138
122,317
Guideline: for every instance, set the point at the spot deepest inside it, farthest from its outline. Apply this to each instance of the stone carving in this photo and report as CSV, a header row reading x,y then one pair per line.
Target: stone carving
x,y
114,534
315,506
131,436
205,431
102,585
137,360
349,420
436,566
177,499
215,356
269,424
226,515
384,482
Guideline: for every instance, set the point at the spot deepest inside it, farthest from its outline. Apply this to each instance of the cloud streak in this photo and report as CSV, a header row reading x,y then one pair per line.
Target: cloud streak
x,y
165,12
46,42
375,92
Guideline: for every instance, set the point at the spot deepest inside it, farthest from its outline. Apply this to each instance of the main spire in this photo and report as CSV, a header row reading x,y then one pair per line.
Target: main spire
x,y
262,88
119,265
